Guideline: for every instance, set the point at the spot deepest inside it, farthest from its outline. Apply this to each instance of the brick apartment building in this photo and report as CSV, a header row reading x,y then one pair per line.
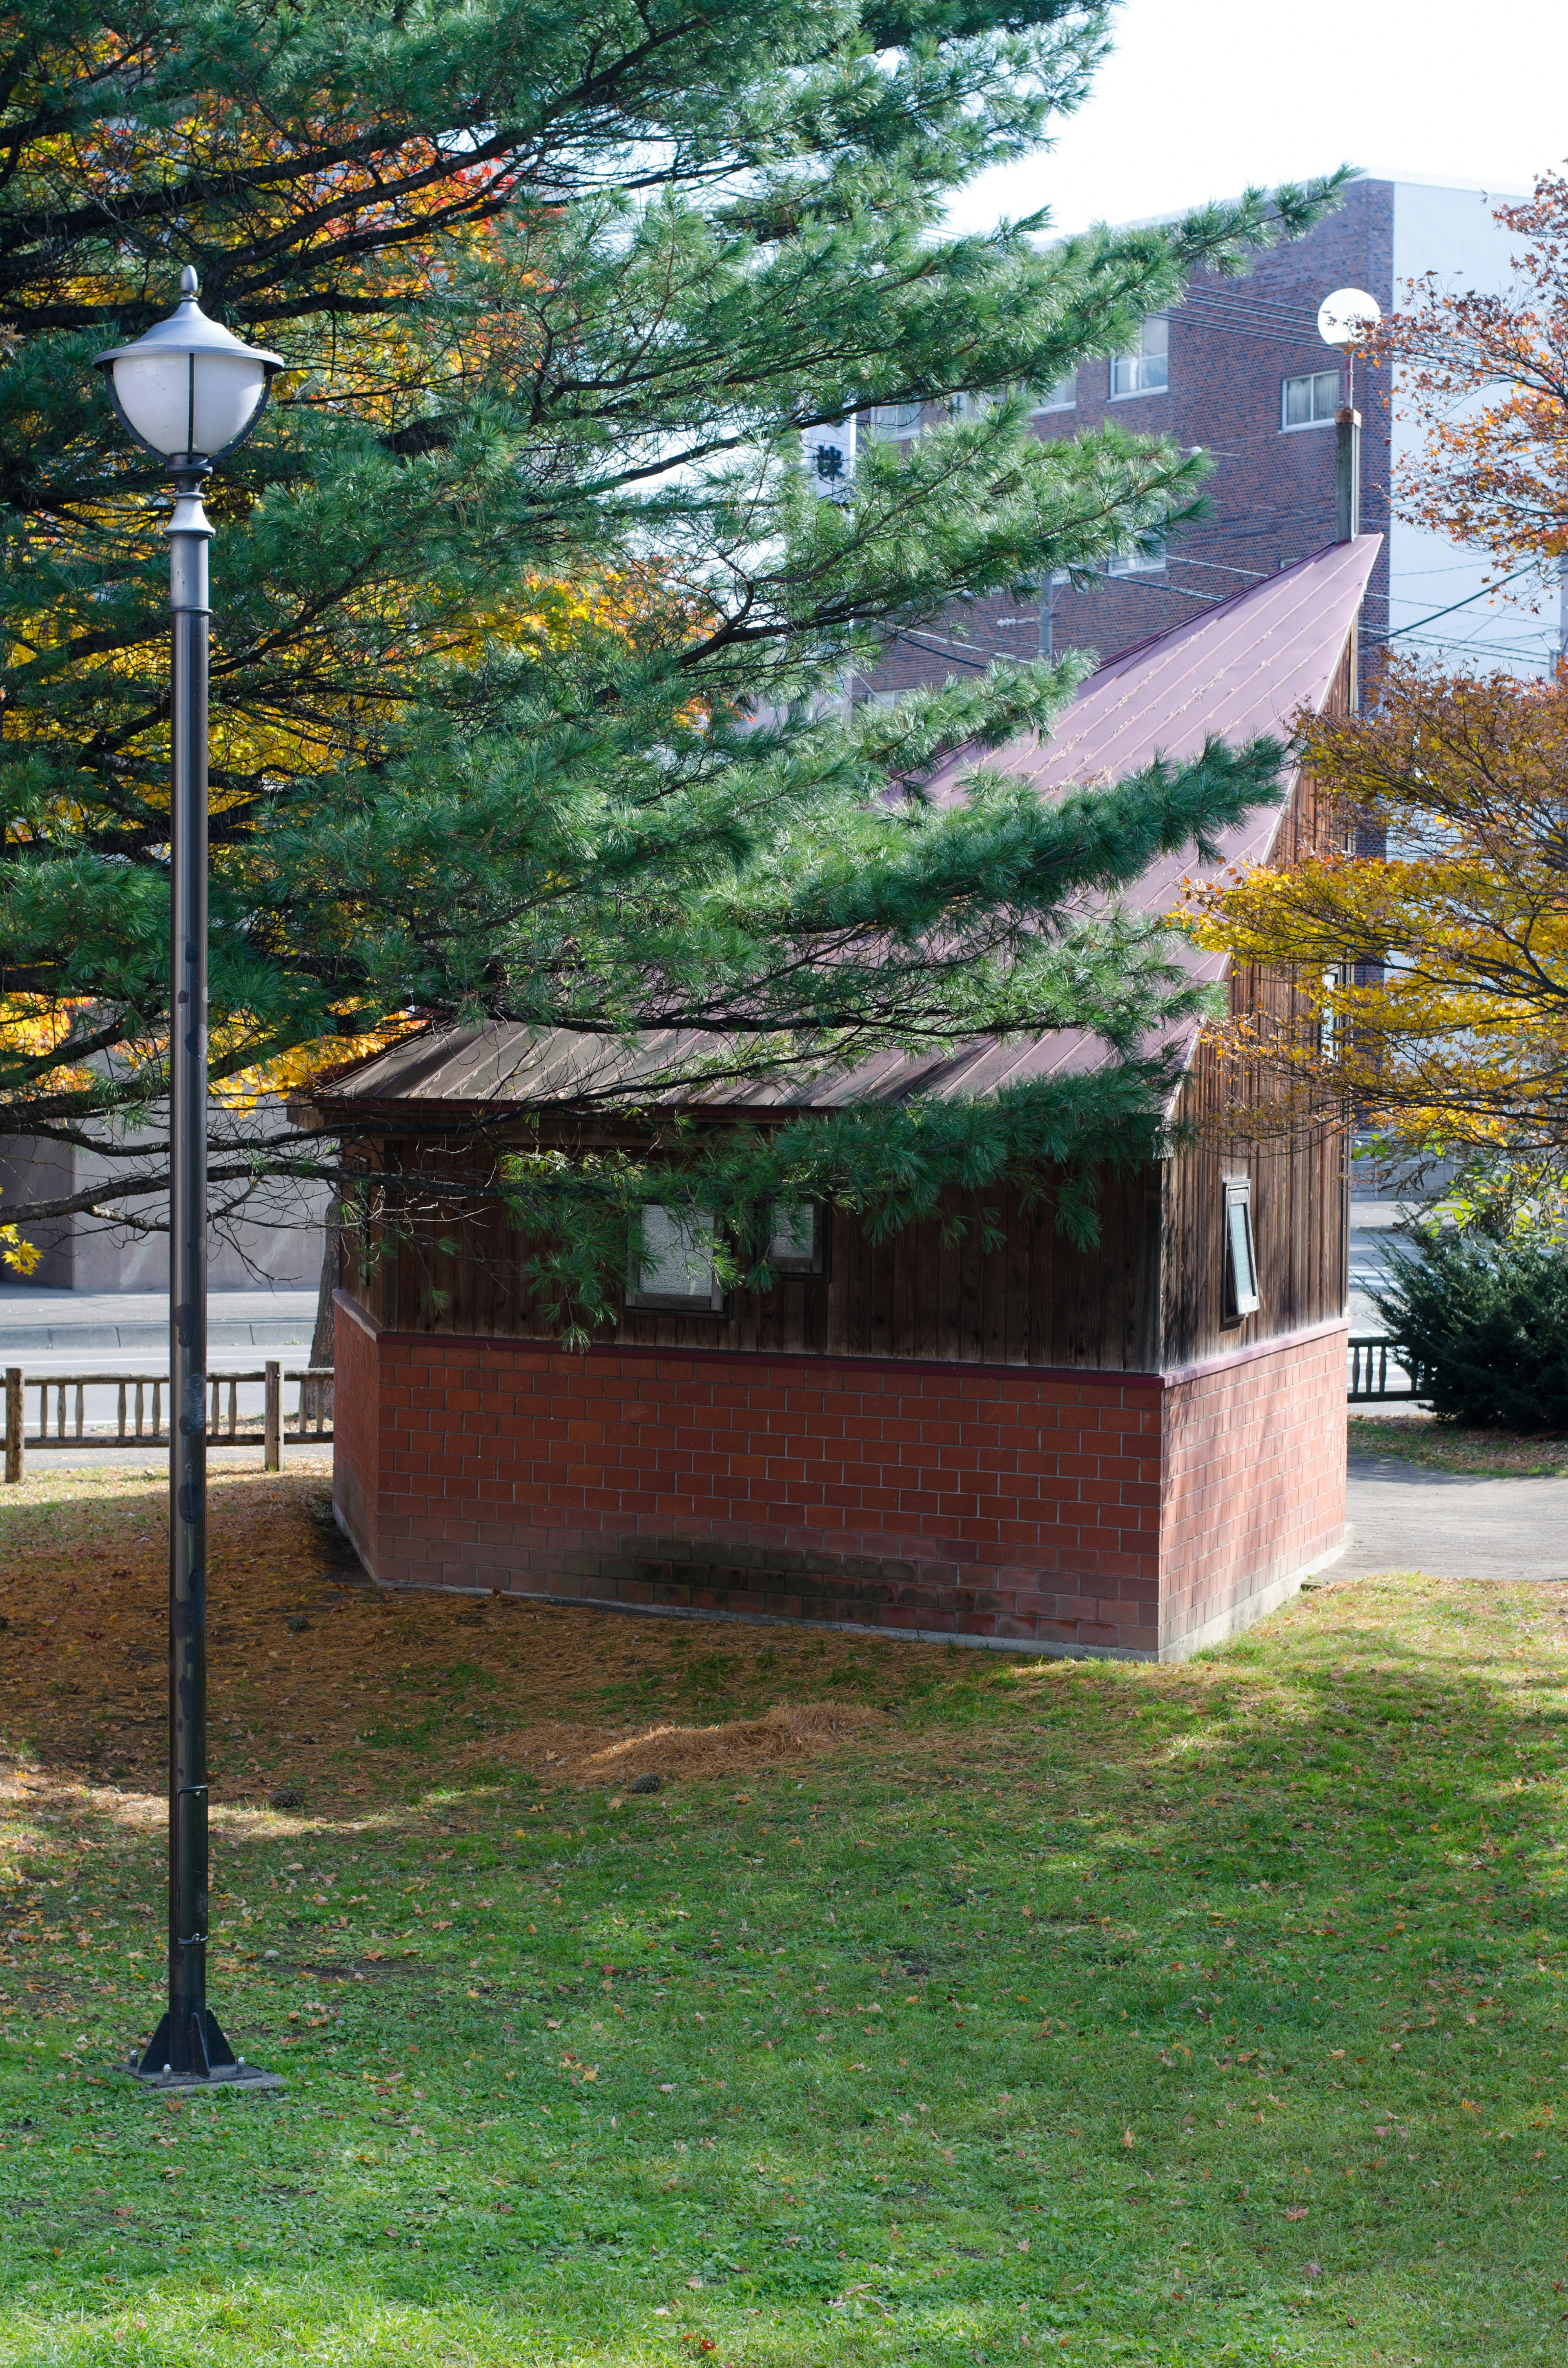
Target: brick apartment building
x,y
1240,371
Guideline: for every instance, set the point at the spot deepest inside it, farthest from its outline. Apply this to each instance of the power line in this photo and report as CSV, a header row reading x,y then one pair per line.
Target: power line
x,y
1530,568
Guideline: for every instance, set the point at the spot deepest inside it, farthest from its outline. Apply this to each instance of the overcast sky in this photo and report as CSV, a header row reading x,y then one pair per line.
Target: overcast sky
x,y
1201,98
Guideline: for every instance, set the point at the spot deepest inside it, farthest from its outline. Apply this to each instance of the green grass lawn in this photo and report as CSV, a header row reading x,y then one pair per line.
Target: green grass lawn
x,y
1193,2015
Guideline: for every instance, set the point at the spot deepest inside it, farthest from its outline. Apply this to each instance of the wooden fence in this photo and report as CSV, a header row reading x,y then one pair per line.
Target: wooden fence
x,y
143,1405
1382,1371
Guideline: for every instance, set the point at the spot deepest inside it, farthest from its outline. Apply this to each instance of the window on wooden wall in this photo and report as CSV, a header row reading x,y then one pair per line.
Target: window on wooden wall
x,y
1146,368
797,1242
1309,402
1241,1258
671,1263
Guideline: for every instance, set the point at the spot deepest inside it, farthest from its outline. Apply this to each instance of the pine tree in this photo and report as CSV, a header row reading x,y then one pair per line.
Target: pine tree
x,y
530,623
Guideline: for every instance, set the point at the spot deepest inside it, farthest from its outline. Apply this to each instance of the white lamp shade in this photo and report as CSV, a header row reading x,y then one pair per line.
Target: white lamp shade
x,y
1344,316
189,402
188,389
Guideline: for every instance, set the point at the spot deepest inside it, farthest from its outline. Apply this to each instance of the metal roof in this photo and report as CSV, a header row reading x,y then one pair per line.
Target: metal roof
x,y
1234,671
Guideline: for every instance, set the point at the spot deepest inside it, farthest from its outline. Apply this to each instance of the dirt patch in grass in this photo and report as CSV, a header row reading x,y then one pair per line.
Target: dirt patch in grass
x,y
1446,1447
324,1687
736,1747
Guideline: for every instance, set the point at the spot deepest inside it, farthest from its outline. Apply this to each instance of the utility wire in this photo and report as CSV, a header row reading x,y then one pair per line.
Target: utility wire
x,y
1454,606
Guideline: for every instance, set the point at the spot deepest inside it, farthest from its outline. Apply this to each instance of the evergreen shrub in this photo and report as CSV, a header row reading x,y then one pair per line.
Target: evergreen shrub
x,y
1485,1323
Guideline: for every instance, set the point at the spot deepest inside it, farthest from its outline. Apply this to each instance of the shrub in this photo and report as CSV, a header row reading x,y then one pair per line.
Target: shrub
x,y
1487,1324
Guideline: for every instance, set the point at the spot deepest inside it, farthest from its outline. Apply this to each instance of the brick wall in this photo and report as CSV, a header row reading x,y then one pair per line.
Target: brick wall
x,y
1270,498
995,1503
1254,1482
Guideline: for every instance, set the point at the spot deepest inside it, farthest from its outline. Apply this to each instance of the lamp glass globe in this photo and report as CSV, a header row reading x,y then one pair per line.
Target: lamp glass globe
x,y
181,403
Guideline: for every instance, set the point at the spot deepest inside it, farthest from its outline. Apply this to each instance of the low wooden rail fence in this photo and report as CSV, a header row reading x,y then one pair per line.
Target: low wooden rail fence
x,y
143,1404
1381,1369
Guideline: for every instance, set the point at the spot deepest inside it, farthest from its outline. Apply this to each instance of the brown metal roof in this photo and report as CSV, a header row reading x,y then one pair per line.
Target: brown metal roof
x,y
1235,672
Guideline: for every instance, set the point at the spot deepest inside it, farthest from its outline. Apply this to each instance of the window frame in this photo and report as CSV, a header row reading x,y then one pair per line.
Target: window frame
x,y
1139,359
1243,1296
1136,563
714,1301
1054,400
902,429
1314,379
814,1261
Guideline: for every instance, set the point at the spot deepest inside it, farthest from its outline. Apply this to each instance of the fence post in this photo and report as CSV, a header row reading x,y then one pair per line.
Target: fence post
x,y
272,1418
15,1425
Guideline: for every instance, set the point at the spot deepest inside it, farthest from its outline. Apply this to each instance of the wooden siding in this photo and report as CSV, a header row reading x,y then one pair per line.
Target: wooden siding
x,y
1031,1298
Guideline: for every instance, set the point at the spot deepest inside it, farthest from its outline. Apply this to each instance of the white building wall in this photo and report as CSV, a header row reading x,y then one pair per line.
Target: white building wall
x,y
1442,608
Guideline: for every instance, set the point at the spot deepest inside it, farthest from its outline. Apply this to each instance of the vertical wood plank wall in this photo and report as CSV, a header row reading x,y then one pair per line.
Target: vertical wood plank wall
x,y
1027,1296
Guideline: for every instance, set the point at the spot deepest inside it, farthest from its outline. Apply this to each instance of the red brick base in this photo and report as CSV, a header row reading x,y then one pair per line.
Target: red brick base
x,y
1137,1515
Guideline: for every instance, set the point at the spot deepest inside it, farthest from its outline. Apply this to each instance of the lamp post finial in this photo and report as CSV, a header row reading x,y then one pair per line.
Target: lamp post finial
x,y
188,282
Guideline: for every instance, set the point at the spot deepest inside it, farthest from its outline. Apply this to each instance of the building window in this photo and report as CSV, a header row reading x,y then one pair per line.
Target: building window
x,y
671,1263
1062,396
1328,1014
1136,563
797,1241
1309,402
1147,368
888,422
1241,1260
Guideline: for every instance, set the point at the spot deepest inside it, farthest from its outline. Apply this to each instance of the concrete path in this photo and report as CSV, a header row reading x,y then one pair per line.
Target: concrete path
x,y
1452,1526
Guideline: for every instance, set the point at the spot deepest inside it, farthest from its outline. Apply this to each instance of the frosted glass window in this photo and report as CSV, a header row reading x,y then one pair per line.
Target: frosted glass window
x,y
673,1265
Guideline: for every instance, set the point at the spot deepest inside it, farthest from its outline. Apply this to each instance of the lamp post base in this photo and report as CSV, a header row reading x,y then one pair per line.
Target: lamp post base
x,y
247,2076
220,2070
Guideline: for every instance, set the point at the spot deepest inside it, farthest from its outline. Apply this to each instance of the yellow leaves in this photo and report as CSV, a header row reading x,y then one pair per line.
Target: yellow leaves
x,y
21,1255
283,1072
1437,973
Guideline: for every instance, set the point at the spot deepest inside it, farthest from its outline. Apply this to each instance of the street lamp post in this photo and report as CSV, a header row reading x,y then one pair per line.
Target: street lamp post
x,y
188,392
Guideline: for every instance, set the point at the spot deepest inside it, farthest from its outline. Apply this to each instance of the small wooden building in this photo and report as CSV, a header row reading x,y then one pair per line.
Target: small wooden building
x,y
1133,1450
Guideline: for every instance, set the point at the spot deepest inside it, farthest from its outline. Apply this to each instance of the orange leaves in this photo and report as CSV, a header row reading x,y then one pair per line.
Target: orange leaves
x,y
1496,473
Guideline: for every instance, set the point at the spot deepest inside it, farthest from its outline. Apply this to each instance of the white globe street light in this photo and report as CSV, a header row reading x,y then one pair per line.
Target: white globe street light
x,y
1342,319
188,392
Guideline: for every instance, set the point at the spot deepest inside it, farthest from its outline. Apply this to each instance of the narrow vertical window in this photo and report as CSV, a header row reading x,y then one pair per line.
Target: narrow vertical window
x,y
1241,1260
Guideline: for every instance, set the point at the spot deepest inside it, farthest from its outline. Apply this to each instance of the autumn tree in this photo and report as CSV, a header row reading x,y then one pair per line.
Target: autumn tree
x,y
1443,965
1484,378
531,627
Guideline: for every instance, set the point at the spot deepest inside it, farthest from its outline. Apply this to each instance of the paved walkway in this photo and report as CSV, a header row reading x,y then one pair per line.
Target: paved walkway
x,y
1452,1526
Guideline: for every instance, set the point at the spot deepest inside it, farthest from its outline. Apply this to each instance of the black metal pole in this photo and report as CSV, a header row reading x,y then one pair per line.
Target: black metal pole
x,y
187,2044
